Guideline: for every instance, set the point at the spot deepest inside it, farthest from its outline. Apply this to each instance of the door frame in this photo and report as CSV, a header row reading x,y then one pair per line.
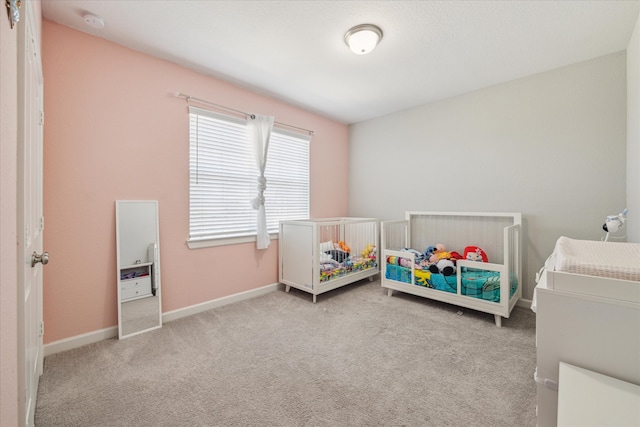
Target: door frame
x,y
30,219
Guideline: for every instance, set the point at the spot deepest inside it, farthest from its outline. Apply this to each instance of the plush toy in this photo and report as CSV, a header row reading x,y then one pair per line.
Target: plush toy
x,y
446,267
474,253
441,261
369,251
342,245
429,251
440,252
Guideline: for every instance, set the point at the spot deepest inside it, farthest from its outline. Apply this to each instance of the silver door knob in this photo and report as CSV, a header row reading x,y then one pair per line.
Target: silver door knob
x,y
35,258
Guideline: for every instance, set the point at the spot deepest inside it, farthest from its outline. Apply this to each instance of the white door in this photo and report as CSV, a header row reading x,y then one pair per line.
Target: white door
x,y
30,218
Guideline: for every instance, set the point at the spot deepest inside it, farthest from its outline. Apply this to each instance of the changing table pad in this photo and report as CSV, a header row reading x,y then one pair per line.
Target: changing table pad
x,y
615,260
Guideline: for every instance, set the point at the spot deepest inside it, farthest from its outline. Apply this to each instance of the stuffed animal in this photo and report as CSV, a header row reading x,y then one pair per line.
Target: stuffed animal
x,y
429,251
440,252
369,251
342,245
442,261
446,267
474,253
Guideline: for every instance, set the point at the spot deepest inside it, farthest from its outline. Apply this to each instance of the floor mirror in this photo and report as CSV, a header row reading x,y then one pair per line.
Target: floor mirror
x,y
138,267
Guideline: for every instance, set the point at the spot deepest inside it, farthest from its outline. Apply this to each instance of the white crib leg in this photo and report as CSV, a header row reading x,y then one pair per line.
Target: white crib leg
x,y
498,320
314,299
287,288
389,292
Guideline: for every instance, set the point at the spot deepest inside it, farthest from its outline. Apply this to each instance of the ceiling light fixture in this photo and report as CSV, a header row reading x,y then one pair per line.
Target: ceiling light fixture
x,y
362,39
93,20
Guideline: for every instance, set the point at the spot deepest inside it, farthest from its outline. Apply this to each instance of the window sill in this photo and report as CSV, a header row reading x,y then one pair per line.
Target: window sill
x,y
208,243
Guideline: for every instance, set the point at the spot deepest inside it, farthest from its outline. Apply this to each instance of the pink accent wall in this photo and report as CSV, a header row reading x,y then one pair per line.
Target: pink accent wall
x,y
114,131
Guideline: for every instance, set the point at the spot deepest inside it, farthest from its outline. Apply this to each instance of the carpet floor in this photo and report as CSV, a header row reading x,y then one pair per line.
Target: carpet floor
x,y
355,358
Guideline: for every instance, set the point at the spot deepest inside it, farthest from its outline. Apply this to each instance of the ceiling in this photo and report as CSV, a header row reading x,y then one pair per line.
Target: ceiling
x,y
295,51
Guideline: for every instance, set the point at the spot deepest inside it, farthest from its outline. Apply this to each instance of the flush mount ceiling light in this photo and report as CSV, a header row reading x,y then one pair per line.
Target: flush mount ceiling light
x,y
362,39
93,20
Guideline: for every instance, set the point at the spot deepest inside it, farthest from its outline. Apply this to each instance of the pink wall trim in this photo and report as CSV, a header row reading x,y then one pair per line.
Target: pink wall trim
x,y
113,131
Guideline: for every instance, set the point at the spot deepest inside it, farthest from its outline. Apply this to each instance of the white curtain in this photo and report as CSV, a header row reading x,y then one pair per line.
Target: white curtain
x,y
260,130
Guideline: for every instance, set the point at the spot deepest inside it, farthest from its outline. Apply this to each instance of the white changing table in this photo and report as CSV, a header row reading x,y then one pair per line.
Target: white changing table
x,y
587,321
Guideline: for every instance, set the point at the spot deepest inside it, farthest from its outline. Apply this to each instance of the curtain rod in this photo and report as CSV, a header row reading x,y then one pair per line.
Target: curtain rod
x,y
204,101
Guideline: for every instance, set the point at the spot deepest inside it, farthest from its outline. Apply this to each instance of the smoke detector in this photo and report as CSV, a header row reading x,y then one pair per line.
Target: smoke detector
x,y
93,20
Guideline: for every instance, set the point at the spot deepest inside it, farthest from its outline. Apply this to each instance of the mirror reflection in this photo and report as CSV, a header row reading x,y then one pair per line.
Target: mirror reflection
x,y
138,259
139,314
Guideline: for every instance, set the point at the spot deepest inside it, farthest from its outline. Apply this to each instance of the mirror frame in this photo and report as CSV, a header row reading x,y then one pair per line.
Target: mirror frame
x,y
154,266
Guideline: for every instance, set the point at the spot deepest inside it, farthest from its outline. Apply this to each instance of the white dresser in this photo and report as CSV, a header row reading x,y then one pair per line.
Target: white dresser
x,y
581,321
588,398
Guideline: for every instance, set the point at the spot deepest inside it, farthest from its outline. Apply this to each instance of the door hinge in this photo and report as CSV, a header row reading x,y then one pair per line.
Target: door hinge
x,y
41,329
41,118
42,223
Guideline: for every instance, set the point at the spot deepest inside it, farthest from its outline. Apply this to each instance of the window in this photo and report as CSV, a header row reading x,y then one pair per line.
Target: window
x,y
224,177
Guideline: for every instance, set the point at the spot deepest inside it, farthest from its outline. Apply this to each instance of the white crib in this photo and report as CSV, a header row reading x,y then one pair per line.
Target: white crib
x,y
498,234
313,256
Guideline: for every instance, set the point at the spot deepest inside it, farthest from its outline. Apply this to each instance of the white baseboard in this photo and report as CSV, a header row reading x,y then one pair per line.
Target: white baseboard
x,y
199,308
526,303
103,334
80,340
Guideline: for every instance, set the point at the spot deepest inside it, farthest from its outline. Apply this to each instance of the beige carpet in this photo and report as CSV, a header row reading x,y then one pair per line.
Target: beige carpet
x,y
356,358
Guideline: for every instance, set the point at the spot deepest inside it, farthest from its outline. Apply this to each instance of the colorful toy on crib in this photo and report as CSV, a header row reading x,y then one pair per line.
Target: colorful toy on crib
x,y
439,252
441,261
474,253
403,262
446,267
342,245
429,251
369,251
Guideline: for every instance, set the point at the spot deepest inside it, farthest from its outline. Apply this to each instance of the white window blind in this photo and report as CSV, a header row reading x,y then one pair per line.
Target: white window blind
x,y
223,177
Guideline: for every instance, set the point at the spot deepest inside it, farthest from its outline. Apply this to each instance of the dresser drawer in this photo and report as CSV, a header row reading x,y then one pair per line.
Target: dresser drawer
x,y
134,288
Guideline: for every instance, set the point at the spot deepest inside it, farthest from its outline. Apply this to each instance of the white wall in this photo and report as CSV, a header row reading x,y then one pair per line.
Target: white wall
x,y
551,146
633,136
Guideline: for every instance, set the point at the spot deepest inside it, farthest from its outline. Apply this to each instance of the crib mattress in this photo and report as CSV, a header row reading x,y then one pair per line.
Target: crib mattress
x,y
614,260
